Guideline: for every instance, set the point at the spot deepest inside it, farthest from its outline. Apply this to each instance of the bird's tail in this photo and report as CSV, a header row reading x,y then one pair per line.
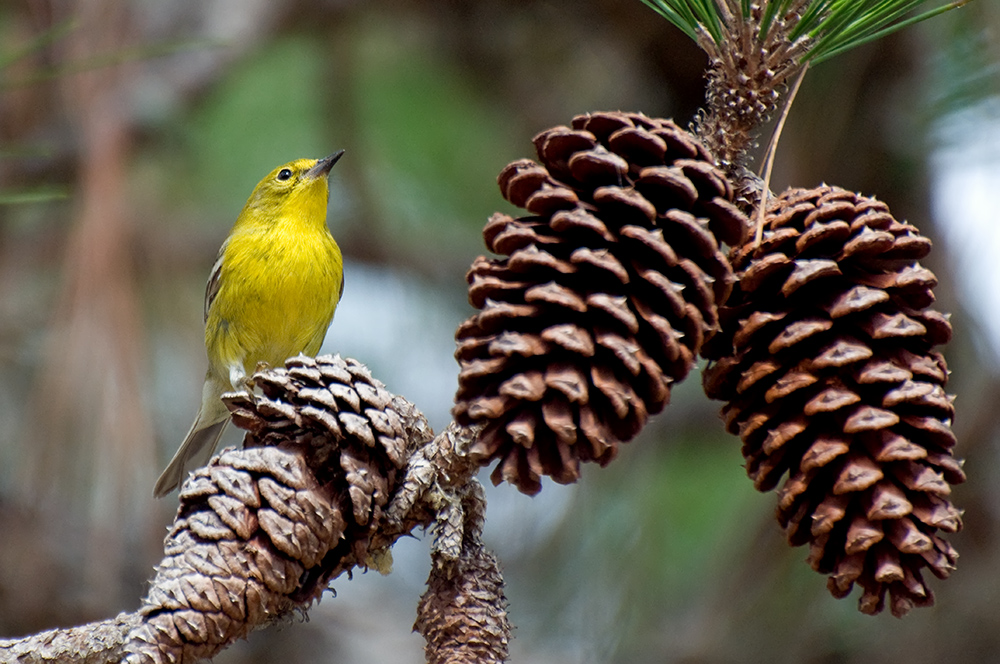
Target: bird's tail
x,y
198,446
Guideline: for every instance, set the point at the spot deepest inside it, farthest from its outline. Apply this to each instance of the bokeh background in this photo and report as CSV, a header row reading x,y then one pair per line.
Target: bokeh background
x,y
131,133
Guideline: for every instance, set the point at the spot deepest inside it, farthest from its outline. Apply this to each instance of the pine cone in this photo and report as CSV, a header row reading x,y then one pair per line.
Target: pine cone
x,y
463,613
260,531
344,420
604,296
233,559
825,359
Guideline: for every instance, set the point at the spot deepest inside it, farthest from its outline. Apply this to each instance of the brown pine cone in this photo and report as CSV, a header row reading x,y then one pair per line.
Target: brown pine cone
x,y
344,420
261,531
463,613
825,361
603,297
233,559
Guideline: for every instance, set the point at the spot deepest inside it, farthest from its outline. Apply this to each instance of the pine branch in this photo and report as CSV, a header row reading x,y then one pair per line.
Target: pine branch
x,y
334,470
756,48
100,642
833,26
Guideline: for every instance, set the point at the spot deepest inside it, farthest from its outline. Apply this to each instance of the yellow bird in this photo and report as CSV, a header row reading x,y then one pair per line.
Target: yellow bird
x,y
271,295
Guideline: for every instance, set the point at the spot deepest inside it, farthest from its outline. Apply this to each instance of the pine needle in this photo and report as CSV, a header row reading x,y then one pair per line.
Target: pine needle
x,y
772,149
833,26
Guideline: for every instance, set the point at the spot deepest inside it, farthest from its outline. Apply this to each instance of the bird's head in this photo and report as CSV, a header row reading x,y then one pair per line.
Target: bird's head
x,y
298,188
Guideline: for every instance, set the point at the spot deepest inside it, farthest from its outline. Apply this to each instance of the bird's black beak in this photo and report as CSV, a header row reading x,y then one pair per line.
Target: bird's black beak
x,y
323,166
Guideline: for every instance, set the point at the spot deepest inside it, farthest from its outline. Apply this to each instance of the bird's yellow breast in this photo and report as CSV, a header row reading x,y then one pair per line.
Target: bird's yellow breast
x,y
278,288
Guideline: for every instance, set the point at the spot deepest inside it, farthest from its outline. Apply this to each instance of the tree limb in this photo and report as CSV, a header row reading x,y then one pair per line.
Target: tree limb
x,y
333,471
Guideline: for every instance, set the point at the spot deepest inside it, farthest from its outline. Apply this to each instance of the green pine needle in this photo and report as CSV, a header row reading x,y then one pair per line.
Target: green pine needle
x,y
29,196
50,36
678,13
833,26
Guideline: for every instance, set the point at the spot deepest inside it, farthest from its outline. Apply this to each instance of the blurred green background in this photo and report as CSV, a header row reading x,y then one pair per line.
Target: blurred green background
x,y
131,133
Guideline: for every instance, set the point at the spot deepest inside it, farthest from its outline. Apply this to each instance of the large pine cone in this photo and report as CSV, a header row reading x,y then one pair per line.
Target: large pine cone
x,y
825,359
604,296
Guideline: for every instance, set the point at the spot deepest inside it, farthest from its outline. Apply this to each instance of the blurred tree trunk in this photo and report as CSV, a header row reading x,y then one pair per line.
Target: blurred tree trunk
x,y
91,454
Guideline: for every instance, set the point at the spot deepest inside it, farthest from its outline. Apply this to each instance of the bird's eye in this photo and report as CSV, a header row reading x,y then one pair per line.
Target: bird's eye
x,y
284,174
